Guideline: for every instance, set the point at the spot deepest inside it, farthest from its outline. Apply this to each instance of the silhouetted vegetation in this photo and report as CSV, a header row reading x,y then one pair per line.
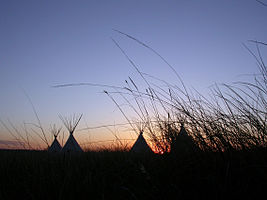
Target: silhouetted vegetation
x,y
211,148
232,118
123,175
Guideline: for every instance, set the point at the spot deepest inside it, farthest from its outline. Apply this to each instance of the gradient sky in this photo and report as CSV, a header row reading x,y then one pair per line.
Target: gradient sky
x,y
45,43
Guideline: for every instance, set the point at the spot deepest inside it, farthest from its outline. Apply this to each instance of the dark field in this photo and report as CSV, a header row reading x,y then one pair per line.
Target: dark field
x,y
122,175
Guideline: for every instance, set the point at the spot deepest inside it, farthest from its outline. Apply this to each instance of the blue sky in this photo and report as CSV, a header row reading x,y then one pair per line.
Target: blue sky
x,y
45,43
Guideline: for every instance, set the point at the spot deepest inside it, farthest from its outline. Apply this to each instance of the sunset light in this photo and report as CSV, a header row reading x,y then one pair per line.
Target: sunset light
x,y
133,99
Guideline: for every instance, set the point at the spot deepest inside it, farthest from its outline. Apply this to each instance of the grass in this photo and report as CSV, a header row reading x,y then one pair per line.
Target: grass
x,y
234,118
122,175
229,131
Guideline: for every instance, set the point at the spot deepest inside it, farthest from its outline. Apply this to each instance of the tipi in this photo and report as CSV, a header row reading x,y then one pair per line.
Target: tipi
x,y
183,142
71,124
55,146
140,145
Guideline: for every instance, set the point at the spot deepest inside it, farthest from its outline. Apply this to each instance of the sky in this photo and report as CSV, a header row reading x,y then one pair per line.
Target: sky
x,y
48,43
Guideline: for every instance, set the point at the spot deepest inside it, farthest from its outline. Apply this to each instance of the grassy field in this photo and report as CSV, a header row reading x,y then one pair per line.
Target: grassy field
x,y
122,175
224,157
